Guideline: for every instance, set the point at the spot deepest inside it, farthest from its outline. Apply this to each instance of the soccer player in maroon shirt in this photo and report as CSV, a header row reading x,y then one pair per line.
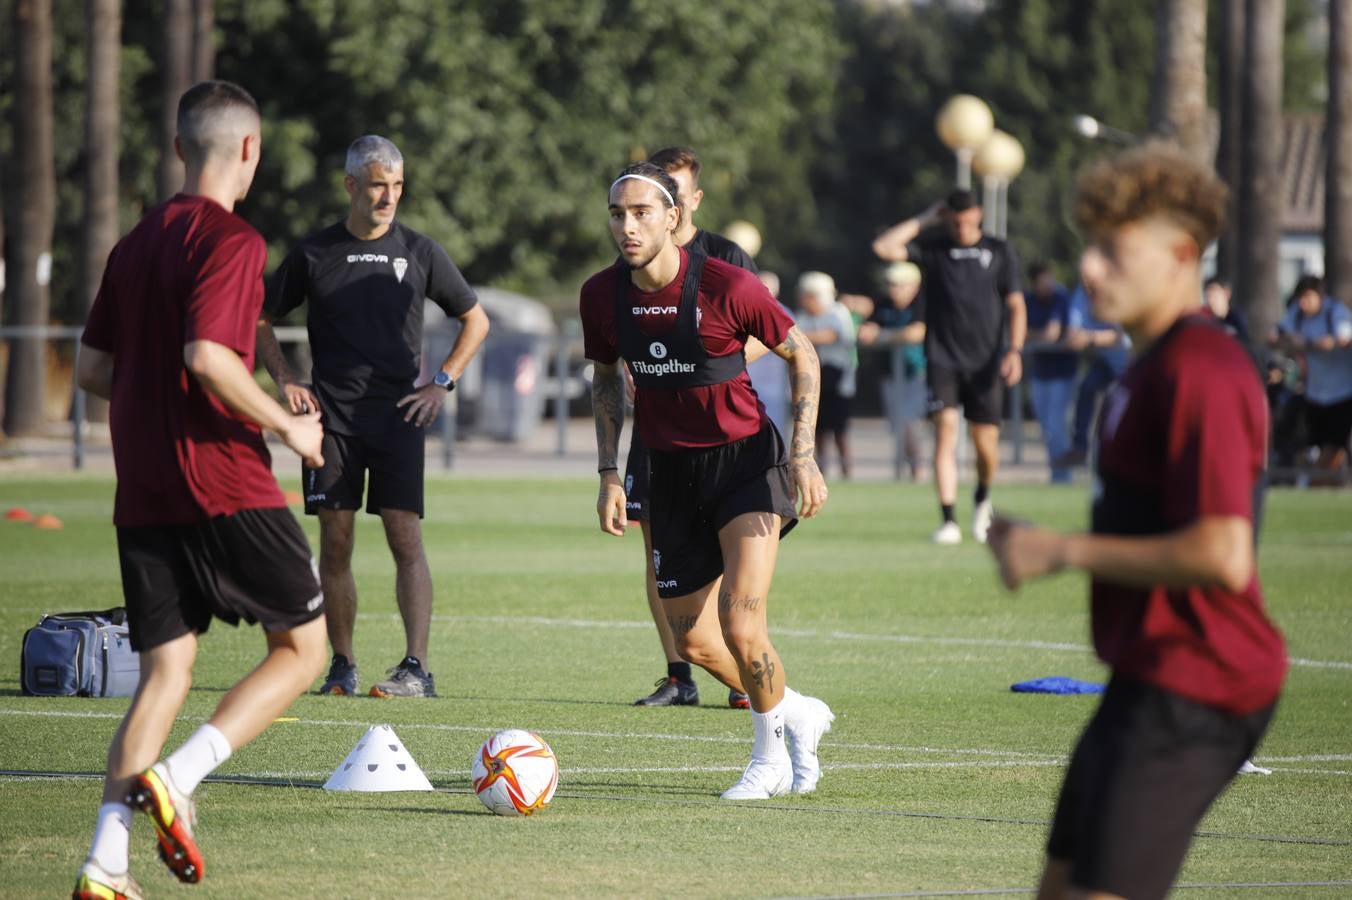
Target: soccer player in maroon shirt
x,y
1176,607
203,531
723,487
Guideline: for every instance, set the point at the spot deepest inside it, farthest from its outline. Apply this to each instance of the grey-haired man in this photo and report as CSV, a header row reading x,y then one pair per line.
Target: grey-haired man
x,y
365,279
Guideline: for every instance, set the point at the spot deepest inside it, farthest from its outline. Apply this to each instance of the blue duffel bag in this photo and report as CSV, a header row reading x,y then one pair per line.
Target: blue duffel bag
x,y
86,654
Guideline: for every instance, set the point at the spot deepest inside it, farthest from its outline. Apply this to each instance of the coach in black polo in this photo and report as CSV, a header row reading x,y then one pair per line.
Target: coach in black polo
x,y
365,279
975,325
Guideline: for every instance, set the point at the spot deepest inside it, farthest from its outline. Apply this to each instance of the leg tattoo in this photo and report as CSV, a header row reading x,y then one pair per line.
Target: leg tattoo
x,y
763,673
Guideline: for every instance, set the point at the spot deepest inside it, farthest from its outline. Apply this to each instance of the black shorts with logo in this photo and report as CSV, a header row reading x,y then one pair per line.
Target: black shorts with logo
x,y
253,565
696,492
1145,770
979,393
637,474
396,460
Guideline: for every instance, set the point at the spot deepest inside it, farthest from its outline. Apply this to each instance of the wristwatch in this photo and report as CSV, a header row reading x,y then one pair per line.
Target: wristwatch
x,y
444,380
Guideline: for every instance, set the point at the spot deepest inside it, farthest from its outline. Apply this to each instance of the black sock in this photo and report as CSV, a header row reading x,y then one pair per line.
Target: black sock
x,y
680,671
982,492
948,512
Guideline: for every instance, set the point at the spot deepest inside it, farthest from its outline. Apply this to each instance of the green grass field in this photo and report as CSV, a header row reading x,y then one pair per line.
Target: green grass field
x,y
938,778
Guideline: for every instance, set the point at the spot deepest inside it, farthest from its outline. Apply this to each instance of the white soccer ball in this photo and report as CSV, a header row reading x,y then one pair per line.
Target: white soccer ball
x,y
515,773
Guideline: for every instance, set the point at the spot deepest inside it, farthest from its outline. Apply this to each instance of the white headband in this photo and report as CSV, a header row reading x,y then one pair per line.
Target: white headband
x,y
653,182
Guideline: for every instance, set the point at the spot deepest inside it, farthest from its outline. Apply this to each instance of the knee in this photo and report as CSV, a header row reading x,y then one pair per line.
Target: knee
x,y
335,552
407,550
744,639
165,679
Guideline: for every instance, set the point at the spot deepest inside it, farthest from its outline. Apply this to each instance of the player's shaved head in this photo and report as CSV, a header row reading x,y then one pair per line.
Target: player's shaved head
x,y
213,117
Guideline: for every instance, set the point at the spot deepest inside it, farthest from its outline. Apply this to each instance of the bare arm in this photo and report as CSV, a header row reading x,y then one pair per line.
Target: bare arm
x,y
298,397
891,244
425,402
94,372
1214,551
805,389
1011,367
473,332
754,349
608,411
221,372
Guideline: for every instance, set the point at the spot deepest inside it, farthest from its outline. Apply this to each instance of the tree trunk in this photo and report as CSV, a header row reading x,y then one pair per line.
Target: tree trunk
x,y
1178,90
102,114
1260,187
203,40
1338,178
1231,96
176,71
31,207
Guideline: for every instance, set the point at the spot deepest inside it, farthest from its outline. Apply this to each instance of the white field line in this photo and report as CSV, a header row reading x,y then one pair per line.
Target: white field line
x,y
1006,757
1058,646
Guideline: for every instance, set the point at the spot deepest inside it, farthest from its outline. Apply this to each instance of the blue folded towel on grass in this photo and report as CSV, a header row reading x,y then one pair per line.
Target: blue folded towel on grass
x,y
1057,684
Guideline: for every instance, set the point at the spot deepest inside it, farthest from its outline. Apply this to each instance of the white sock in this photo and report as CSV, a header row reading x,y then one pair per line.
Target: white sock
x,y
112,831
769,733
197,758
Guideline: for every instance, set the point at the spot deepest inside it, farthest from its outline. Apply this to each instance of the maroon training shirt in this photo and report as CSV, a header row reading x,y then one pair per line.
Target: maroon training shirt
x,y
188,271
1183,436
732,305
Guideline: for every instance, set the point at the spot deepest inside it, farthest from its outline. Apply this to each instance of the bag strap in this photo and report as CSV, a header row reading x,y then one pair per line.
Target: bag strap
x,y
116,615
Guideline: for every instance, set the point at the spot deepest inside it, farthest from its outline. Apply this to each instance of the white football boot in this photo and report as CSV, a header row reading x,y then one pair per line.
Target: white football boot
x,y
981,521
804,725
770,772
947,533
763,779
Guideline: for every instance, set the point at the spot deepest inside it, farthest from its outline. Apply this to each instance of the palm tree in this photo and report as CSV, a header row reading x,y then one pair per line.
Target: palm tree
x,y
102,115
1260,194
31,207
1338,179
203,41
1178,90
176,69
1231,100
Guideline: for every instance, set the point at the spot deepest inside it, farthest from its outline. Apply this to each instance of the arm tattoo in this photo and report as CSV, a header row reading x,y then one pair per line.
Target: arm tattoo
x,y
805,386
608,410
269,352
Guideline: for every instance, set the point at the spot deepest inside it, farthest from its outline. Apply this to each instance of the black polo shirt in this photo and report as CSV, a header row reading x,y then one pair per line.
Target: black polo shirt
x,y
965,290
365,316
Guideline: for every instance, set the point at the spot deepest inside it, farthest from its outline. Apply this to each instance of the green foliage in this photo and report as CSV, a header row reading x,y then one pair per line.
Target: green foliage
x,y
814,118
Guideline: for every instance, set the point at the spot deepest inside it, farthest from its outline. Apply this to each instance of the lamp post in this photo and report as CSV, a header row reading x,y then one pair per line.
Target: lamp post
x,y
999,161
964,123
745,235
1092,128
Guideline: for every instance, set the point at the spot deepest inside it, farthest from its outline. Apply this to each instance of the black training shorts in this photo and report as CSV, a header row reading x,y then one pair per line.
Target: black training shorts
x,y
395,459
696,492
253,565
637,472
1143,774
979,393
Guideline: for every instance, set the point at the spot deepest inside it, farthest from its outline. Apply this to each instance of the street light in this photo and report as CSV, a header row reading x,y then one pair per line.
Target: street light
x,y
999,161
1092,128
964,123
745,235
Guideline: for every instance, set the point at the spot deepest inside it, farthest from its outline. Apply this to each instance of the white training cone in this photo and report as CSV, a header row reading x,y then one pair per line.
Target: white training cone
x,y
379,762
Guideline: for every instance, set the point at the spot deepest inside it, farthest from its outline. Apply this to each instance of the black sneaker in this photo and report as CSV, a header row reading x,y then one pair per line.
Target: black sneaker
x,y
342,680
738,700
671,691
408,679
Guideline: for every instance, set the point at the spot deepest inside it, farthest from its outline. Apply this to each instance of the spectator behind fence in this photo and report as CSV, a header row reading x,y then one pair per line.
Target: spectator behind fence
x,y
769,375
1320,328
897,326
1052,365
1107,350
828,325
1216,295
